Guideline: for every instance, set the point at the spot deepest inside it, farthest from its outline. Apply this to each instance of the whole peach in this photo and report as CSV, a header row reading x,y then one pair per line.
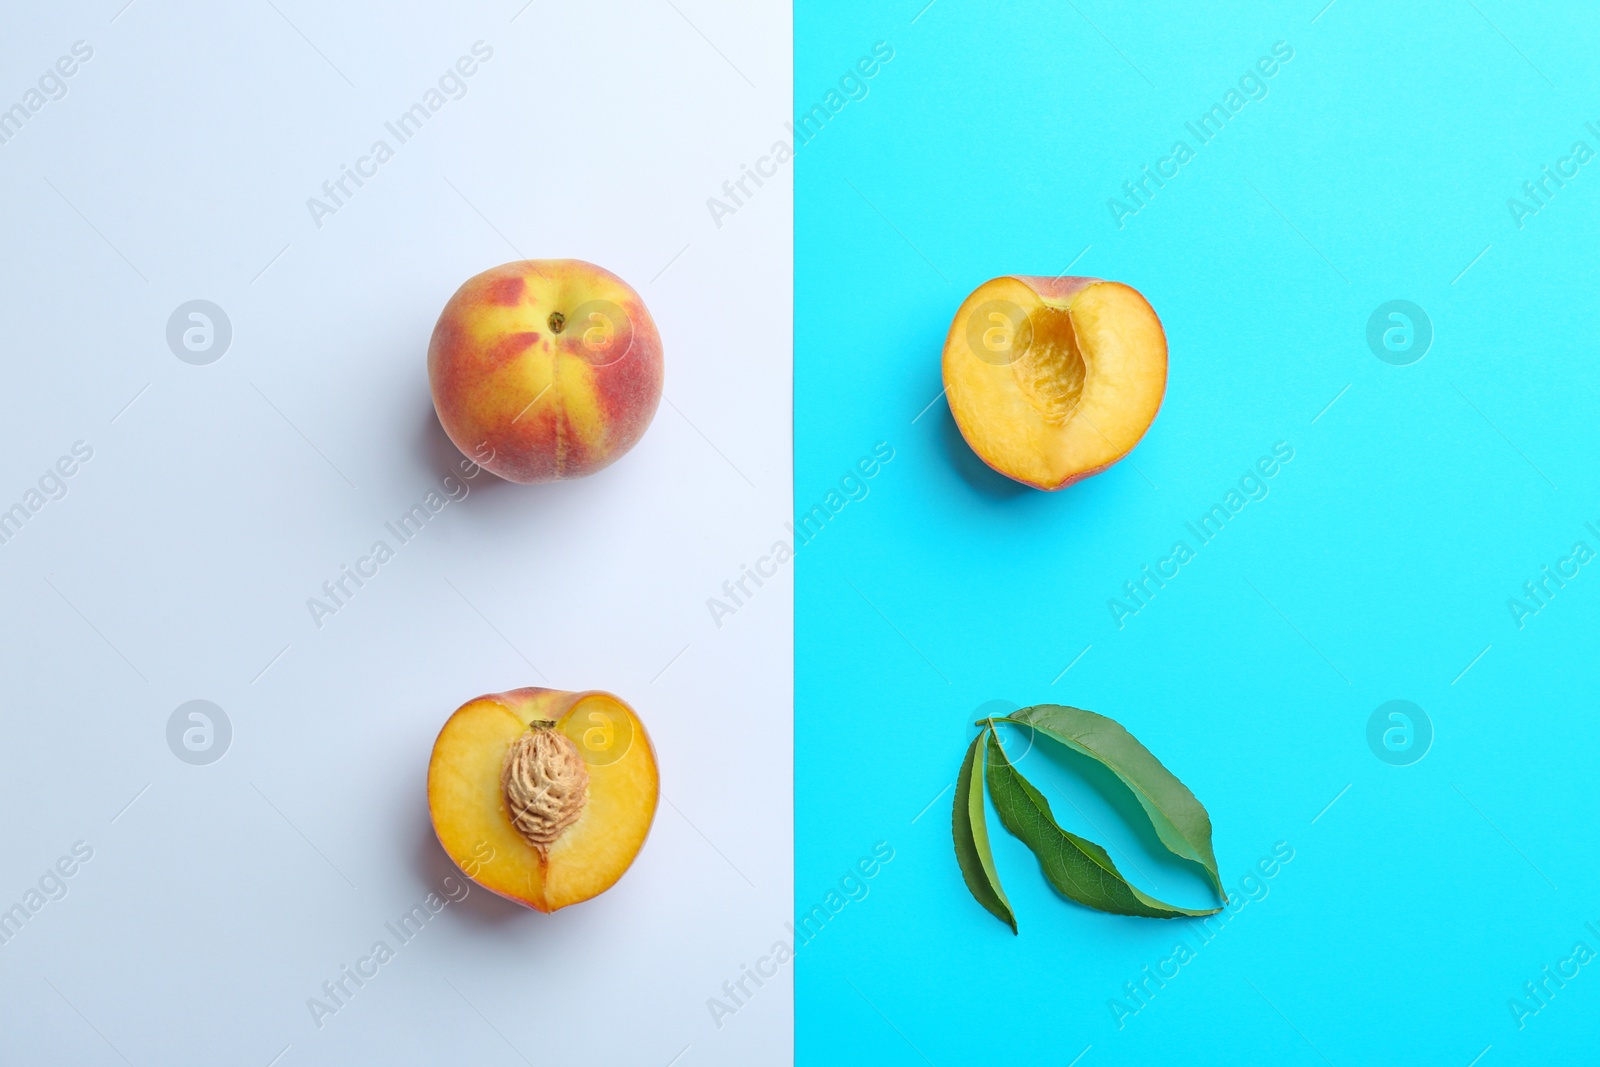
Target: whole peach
x,y
545,369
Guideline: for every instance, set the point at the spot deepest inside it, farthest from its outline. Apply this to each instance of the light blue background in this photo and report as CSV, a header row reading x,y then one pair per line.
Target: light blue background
x,y
1378,568
220,898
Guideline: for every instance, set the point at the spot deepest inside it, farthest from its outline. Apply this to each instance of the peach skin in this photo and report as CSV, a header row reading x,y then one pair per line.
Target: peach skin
x,y
1051,380
545,369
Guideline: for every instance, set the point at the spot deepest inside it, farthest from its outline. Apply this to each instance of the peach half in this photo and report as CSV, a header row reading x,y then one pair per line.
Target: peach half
x,y
545,369
542,796
1051,380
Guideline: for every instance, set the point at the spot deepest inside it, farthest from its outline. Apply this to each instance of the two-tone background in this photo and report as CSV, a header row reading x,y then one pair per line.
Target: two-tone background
x,y
1373,258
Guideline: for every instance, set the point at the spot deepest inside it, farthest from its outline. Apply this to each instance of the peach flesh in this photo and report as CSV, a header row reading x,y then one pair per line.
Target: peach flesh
x,y
467,797
1051,380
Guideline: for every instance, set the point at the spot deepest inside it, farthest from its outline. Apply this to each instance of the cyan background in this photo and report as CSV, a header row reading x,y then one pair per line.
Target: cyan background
x,y
1378,568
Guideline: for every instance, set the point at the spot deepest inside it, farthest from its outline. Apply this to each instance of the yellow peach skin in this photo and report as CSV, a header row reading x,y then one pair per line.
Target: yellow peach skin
x,y
545,369
1051,380
474,803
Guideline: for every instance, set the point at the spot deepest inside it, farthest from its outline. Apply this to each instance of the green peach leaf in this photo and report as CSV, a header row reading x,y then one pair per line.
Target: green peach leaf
x,y
1179,819
1079,869
972,838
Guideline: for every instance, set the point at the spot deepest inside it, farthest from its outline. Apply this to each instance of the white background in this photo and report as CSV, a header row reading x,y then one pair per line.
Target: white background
x,y
221,497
